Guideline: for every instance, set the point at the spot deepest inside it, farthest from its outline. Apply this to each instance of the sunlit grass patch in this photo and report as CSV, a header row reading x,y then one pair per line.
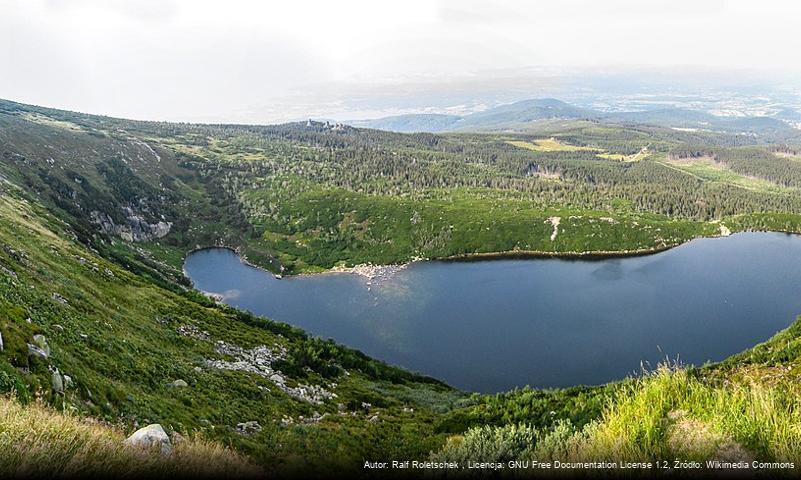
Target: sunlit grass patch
x,y
50,122
710,170
549,145
619,157
35,440
672,412
555,145
666,414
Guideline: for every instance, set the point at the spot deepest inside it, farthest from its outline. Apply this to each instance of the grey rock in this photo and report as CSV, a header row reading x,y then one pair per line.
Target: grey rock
x,y
59,298
247,428
35,351
259,361
179,384
68,383
1,341
151,437
40,341
57,382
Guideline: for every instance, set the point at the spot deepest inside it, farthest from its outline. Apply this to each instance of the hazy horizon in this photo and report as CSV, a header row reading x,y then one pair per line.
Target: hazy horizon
x,y
262,63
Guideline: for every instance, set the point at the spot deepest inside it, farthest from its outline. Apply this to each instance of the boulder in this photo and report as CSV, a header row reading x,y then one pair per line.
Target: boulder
x,y
247,428
179,384
35,351
40,341
57,382
151,437
59,298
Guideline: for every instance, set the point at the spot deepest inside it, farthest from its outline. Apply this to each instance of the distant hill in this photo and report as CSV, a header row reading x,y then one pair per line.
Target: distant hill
x,y
410,123
526,111
517,116
498,118
789,115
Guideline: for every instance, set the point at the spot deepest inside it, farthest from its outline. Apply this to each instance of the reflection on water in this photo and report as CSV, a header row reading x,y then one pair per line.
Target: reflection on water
x,y
495,325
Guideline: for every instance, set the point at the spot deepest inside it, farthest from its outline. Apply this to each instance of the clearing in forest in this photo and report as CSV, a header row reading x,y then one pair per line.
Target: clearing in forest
x,y
709,169
549,145
554,145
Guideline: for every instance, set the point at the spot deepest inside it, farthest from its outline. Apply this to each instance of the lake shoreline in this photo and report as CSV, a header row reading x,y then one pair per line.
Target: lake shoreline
x,y
371,271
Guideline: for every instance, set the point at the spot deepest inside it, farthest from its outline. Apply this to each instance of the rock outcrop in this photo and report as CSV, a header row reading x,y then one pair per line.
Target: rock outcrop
x,y
41,341
136,228
248,428
259,360
59,298
39,348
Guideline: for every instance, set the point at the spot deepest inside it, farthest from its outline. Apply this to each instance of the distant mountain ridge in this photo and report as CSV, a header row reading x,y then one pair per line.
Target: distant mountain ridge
x,y
414,122
518,115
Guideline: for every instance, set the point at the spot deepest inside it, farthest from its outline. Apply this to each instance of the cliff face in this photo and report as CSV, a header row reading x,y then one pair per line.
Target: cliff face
x,y
136,228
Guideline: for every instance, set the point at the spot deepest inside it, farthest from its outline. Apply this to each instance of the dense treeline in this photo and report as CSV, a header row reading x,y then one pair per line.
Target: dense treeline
x,y
574,178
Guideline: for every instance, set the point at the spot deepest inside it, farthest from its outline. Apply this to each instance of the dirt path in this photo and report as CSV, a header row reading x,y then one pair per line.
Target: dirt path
x,y
554,221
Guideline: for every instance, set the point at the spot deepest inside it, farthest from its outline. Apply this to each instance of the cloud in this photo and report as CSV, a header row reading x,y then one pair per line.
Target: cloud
x,y
142,10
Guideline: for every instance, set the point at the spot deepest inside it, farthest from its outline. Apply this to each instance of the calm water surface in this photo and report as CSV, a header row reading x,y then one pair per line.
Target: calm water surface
x,y
495,325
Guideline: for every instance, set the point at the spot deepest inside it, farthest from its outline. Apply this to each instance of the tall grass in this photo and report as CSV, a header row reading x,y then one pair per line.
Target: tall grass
x,y
36,441
669,413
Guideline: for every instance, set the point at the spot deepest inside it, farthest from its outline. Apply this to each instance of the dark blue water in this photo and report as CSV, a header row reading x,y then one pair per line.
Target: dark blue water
x,y
494,325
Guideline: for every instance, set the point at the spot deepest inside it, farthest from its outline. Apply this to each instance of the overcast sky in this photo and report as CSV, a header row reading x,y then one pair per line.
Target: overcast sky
x,y
238,60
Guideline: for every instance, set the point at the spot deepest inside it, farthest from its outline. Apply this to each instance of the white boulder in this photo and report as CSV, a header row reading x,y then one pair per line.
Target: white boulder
x,y
150,437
